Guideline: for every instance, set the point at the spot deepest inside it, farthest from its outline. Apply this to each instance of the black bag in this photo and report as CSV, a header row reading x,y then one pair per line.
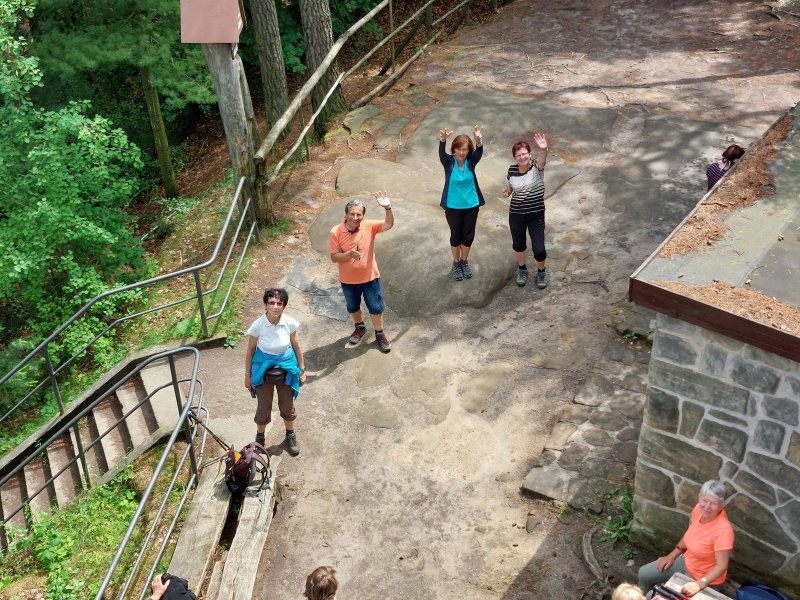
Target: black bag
x,y
178,588
274,375
241,467
758,591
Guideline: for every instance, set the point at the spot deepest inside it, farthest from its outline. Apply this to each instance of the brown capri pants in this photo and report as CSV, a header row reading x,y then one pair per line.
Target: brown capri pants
x,y
265,394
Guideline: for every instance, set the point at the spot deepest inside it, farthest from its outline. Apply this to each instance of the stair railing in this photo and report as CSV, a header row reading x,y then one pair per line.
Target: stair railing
x,y
183,428
54,367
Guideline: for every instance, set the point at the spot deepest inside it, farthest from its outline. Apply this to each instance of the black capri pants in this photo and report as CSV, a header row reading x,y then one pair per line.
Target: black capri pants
x,y
534,224
462,223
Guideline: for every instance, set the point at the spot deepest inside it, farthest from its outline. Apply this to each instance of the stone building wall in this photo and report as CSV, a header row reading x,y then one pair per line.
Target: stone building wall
x,y
721,409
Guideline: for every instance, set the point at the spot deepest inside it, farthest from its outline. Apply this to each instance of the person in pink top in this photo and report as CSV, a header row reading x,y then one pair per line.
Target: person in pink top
x,y
704,550
352,247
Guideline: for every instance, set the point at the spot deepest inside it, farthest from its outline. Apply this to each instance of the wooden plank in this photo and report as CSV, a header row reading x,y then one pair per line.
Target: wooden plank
x,y
216,579
202,527
715,319
239,572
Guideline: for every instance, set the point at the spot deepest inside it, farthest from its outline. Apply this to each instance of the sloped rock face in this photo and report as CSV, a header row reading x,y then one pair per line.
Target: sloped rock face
x,y
414,257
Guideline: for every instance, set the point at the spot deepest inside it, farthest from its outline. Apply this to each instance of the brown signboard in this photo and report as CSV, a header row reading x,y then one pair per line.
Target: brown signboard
x,y
211,21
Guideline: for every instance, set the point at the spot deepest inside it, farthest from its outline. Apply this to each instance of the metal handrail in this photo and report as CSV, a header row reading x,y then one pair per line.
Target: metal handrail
x,y
191,456
72,422
246,210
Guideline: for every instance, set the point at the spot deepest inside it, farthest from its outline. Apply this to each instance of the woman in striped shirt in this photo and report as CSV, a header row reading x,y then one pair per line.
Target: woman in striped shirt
x,y
716,170
525,185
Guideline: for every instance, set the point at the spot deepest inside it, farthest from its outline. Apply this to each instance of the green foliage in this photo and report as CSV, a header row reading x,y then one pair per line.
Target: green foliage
x,y
617,527
65,179
292,41
346,12
101,51
73,546
21,383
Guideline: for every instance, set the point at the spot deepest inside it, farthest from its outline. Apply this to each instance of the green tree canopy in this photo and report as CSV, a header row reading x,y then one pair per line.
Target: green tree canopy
x,y
65,179
81,39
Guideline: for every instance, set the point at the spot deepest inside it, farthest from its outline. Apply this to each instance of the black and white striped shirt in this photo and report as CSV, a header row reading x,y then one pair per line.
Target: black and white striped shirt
x,y
528,194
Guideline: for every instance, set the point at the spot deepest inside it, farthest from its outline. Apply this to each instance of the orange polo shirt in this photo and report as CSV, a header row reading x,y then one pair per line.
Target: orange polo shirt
x,y
362,239
702,540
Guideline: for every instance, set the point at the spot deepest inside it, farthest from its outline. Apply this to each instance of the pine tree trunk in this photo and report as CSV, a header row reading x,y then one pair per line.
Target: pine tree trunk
x,y
159,135
318,33
231,99
270,57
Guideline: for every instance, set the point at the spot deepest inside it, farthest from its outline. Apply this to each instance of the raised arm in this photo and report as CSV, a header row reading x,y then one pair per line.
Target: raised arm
x,y
540,142
386,203
477,131
444,157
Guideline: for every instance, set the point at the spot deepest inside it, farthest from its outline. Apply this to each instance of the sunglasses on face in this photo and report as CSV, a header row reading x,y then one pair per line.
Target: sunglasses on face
x,y
274,303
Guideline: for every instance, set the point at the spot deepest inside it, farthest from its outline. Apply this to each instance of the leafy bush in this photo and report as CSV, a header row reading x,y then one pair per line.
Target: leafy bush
x,y
73,546
65,180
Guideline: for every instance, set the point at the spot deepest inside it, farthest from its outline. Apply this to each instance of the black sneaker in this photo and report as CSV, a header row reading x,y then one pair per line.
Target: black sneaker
x,y
522,277
541,279
356,336
291,444
260,439
383,342
466,270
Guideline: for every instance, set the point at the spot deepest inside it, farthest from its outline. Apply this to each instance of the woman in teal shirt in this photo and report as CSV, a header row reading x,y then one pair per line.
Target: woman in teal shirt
x,y
461,196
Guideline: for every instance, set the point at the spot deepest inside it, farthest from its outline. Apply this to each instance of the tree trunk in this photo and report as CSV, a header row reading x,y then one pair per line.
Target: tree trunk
x,y
247,102
231,99
318,33
270,57
159,135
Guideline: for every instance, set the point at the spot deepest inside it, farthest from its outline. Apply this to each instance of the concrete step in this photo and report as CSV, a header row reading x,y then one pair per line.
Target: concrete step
x,y
163,403
67,484
116,441
141,422
36,474
12,495
95,460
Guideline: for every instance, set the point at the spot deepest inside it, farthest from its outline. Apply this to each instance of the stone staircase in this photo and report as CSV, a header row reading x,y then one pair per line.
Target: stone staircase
x,y
115,429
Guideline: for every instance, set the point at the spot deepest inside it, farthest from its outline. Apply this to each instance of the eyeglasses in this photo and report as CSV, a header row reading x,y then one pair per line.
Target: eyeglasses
x,y
274,303
522,155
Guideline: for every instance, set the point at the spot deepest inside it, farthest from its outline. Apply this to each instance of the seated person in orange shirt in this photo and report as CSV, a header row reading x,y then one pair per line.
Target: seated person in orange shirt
x,y
352,247
704,550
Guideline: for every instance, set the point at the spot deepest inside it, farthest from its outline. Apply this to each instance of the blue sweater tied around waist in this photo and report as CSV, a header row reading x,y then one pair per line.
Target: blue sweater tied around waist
x,y
286,361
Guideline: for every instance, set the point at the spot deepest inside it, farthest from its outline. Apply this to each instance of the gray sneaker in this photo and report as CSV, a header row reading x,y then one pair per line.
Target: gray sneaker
x,y
466,270
383,342
541,279
458,272
356,336
522,277
291,444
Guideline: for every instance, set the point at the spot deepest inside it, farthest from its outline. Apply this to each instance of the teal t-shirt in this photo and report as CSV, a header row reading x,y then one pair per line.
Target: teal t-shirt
x,y
461,192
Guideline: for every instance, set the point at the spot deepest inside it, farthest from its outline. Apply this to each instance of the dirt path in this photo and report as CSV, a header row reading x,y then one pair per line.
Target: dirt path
x,y
411,463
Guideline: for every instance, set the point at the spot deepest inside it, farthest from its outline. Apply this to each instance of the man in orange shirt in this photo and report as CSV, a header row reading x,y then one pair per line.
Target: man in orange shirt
x,y
352,247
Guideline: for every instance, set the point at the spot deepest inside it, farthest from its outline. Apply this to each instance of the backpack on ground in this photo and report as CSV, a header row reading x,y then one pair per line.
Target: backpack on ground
x,y
241,467
758,591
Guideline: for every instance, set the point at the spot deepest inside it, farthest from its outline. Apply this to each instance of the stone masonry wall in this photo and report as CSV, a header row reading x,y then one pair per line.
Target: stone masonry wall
x,y
721,409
